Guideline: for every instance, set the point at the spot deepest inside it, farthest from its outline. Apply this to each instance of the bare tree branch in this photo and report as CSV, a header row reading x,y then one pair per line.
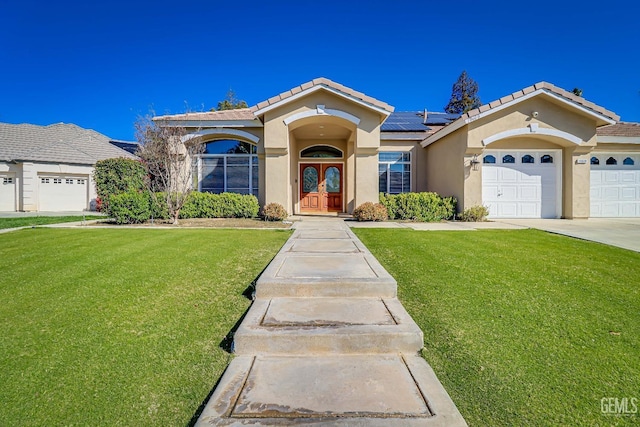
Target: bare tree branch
x,y
169,154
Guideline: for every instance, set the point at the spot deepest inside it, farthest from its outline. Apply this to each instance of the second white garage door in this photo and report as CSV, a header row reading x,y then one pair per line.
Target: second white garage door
x,y
615,185
63,193
522,184
7,192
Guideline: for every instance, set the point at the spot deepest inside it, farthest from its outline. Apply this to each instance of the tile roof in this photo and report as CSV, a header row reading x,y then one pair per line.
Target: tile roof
x,y
57,143
629,129
569,96
323,82
238,114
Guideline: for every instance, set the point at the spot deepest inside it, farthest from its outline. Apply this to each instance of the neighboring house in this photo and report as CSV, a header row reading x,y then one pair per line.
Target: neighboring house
x,y
321,147
50,168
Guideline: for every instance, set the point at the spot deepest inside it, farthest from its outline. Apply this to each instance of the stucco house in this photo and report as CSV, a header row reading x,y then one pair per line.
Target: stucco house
x,y
321,147
49,168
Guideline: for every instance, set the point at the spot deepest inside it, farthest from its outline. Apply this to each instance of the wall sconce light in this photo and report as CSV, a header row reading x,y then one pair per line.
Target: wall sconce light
x,y
475,162
534,114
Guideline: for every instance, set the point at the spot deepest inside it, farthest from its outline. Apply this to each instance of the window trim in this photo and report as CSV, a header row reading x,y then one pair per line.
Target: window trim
x,y
388,168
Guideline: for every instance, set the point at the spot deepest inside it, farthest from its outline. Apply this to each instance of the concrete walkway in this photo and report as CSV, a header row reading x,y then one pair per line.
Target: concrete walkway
x,y
326,342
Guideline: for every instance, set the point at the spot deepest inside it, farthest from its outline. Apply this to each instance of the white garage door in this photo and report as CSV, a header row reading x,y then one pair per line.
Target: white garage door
x,y
63,193
522,184
7,192
615,185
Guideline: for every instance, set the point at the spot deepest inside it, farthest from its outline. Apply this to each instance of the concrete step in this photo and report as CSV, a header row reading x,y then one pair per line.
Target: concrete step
x,y
327,326
349,390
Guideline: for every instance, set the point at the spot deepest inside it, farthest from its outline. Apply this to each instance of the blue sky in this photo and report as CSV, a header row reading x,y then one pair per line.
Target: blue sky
x,y
101,65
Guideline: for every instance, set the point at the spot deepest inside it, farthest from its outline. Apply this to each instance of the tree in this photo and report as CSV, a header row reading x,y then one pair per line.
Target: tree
x,y
577,91
230,102
169,154
464,95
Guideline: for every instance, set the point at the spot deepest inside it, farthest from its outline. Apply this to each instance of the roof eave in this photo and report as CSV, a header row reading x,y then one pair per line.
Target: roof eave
x,y
259,111
601,119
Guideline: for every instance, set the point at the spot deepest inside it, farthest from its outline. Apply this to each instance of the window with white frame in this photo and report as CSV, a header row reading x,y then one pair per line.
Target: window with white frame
x,y
228,166
394,171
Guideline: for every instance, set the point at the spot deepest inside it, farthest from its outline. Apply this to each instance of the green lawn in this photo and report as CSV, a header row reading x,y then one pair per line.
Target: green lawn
x,y
119,327
27,221
522,327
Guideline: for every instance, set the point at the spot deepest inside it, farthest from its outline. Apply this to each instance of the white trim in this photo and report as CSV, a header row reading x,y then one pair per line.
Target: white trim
x,y
232,132
533,129
618,139
321,111
255,123
315,88
343,180
461,122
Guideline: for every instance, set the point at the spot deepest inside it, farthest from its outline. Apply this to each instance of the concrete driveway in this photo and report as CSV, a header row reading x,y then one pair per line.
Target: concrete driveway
x,y
620,232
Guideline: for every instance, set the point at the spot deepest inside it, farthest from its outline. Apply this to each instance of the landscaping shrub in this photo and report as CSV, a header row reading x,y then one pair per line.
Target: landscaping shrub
x,y
274,212
427,207
224,205
158,206
370,212
115,176
132,207
476,213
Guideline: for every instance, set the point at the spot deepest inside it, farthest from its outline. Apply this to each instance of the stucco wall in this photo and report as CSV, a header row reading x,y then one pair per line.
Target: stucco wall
x,y
445,166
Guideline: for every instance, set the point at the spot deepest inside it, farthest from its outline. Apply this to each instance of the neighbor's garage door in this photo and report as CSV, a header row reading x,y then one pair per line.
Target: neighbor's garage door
x,y
522,184
63,193
615,185
7,192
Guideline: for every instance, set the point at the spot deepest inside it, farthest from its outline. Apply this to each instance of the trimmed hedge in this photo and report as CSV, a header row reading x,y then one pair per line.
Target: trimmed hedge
x,y
223,205
115,176
426,207
131,207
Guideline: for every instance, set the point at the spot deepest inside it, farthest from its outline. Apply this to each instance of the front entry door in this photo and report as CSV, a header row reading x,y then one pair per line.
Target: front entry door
x,y
321,187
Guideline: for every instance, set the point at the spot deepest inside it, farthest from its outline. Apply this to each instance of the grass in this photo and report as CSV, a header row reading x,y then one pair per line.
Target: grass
x,y
522,327
120,327
42,220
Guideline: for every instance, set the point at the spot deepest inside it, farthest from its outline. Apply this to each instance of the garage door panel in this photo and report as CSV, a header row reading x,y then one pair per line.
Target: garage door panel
x,y
615,189
7,193
62,193
529,192
526,190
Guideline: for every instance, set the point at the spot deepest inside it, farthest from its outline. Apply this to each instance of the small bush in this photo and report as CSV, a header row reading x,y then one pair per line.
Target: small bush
x,y
370,212
159,208
426,207
224,205
274,212
476,213
131,207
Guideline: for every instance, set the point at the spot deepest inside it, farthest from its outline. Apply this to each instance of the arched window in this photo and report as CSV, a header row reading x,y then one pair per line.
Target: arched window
x,y
488,159
612,161
546,159
528,159
321,151
595,161
228,165
508,159
229,146
628,161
